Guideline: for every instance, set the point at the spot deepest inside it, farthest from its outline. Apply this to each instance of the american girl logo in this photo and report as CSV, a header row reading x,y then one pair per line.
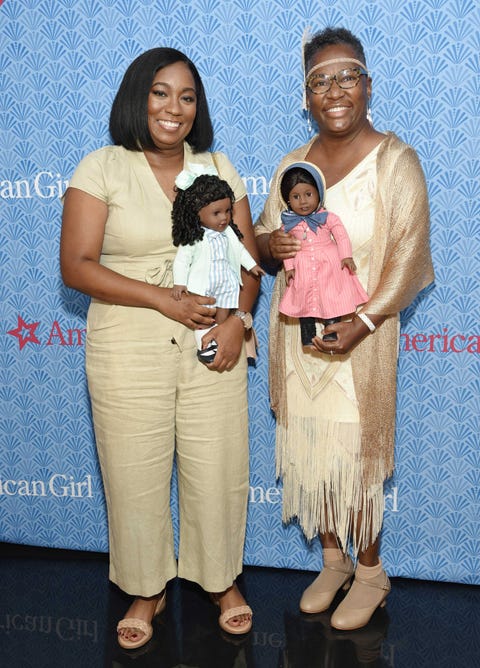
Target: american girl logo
x,y
446,342
45,185
26,332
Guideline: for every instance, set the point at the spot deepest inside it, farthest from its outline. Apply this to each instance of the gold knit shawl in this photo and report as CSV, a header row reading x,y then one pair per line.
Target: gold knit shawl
x,y
400,266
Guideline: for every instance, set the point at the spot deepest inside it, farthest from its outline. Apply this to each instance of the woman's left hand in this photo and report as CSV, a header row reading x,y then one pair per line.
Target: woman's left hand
x,y
349,334
229,337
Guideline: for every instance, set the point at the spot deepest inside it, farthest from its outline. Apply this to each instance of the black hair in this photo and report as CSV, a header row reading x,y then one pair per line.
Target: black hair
x,y
187,228
294,176
128,116
332,37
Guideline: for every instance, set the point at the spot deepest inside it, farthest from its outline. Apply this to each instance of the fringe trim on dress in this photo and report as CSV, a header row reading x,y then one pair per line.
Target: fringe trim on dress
x,y
322,482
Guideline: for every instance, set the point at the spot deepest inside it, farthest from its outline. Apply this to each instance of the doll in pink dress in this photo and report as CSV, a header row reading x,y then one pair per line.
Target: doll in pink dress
x,y
321,280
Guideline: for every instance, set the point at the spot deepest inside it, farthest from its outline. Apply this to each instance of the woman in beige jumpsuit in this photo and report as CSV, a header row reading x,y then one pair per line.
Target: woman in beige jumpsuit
x,y
151,398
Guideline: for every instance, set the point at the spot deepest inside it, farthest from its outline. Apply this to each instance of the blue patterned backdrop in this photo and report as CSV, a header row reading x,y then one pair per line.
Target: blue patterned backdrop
x,y
61,62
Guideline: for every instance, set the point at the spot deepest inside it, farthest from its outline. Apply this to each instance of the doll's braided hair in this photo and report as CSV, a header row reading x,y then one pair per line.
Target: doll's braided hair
x,y
186,227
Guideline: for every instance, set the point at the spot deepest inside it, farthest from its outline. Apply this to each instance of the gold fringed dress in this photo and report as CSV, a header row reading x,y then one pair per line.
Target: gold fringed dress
x,y
336,415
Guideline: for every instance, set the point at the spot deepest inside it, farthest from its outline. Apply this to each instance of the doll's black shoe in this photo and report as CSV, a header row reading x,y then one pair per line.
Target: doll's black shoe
x,y
207,355
332,336
307,330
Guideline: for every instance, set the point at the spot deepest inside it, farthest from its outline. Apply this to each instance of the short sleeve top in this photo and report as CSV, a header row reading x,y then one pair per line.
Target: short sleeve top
x,y
138,231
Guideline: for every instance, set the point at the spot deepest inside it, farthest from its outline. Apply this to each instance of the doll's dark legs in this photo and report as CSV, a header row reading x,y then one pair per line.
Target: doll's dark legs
x,y
332,336
307,330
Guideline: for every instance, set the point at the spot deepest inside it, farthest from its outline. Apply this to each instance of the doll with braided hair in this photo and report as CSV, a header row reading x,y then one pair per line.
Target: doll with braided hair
x,y
210,252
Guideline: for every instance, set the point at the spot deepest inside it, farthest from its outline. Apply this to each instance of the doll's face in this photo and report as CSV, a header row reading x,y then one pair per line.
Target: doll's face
x,y
303,199
216,215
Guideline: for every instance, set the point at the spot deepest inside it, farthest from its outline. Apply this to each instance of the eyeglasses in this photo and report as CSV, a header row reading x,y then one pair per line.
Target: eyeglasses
x,y
319,84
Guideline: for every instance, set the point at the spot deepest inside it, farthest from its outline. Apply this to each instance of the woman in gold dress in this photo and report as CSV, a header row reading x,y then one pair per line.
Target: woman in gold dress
x,y
335,407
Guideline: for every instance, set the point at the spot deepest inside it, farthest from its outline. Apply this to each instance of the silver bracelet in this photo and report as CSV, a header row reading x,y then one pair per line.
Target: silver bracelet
x,y
366,321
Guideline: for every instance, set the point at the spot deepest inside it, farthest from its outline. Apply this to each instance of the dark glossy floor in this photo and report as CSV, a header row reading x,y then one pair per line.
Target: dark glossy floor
x,y
57,609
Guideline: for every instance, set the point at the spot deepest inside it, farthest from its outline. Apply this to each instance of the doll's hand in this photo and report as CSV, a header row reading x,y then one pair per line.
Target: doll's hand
x,y
350,264
283,246
289,275
178,290
257,271
229,336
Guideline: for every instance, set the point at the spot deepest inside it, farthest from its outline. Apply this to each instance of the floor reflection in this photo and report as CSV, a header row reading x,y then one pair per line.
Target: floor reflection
x,y
57,609
312,643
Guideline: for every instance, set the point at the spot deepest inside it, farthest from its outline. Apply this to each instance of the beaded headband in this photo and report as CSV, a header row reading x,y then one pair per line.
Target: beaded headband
x,y
335,60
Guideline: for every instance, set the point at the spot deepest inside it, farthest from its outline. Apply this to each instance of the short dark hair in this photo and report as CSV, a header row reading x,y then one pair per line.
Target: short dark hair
x,y
331,37
128,116
207,188
293,177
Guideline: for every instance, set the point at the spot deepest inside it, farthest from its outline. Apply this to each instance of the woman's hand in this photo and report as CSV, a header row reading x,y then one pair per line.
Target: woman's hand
x,y
283,246
349,334
229,337
191,310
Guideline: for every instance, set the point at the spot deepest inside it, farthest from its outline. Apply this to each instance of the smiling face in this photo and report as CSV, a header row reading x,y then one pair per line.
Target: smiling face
x,y
216,215
172,105
339,111
303,199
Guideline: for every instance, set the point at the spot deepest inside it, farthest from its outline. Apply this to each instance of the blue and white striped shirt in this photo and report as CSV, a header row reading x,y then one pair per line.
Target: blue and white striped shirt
x,y
223,283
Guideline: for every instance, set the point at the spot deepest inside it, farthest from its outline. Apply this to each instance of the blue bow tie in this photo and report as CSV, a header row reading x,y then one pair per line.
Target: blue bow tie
x,y
313,220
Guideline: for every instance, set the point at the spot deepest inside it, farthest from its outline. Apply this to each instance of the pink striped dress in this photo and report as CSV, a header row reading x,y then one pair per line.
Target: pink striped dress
x,y
321,288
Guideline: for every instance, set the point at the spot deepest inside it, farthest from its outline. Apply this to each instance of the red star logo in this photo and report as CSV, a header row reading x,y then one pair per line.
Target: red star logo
x,y
21,326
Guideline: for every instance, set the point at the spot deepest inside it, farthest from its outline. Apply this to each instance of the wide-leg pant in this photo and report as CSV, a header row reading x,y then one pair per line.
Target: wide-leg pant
x,y
152,398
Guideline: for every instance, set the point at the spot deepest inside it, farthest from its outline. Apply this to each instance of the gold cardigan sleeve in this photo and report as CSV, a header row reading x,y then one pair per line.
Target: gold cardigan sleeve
x,y
400,267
